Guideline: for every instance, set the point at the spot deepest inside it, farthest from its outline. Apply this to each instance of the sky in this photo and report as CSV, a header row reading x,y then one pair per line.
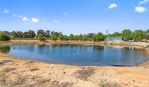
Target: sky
x,y
74,16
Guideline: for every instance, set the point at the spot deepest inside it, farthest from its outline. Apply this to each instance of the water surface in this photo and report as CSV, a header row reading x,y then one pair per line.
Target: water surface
x,y
78,55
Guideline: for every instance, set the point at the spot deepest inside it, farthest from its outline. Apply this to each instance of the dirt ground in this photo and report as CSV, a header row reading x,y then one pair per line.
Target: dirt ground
x,y
25,73
116,43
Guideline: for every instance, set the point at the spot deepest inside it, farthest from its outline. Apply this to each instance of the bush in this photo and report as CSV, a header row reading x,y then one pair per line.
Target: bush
x,y
4,36
41,37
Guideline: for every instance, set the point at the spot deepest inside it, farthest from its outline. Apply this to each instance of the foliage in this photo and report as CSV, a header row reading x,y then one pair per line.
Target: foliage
x,y
127,34
47,33
53,37
4,36
41,37
116,34
20,34
138,35
98,37
146,34
41,32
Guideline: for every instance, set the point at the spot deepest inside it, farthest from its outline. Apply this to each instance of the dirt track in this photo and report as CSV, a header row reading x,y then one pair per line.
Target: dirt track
x,y
25,73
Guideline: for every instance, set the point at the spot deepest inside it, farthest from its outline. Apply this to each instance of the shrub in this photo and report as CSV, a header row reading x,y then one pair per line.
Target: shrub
x,y
84,74
41,37
4,36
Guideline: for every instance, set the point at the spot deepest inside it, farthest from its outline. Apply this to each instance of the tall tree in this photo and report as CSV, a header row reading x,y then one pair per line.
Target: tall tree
x,y
47,33
116,34
138,35
4,36
127,34
41,32
146,34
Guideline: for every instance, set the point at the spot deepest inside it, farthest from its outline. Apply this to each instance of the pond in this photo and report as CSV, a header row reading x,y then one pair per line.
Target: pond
x,y
78,55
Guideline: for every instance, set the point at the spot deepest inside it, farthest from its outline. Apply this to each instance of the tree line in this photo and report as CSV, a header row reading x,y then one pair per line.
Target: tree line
x,y
42,35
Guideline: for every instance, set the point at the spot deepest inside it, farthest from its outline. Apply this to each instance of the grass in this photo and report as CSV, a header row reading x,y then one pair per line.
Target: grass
x,y
58,84
34,69
84,74
1,63
8,43
47,82
108,84
6,70
2,75
19,81
3,78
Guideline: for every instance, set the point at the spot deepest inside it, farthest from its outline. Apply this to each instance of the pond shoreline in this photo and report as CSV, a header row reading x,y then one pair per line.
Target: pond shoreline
x,y
22,72
70,75
118,43
138,46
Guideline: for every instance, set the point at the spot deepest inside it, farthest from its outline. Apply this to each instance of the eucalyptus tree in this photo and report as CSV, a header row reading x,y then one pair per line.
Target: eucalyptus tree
x,y
127,34
138,35
4,36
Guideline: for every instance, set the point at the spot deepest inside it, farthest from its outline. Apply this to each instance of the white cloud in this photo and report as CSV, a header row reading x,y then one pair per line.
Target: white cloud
x,y
6,11
65,13
56,21
25,19
140,9
15,15
143,2
113,5
35,20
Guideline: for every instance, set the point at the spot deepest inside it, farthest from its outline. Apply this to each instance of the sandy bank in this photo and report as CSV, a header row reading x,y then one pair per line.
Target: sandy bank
x,y
25,73
116,43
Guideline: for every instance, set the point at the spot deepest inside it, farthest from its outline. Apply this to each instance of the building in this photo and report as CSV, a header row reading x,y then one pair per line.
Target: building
x,y
114,38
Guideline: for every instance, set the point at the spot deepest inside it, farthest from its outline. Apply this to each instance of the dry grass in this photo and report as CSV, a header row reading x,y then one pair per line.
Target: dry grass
x,y
1,63
3,78
108,84
19,81
84,74
58,84
7,69
4,61
34,69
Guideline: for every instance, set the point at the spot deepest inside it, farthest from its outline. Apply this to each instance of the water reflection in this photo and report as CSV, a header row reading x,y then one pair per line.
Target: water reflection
x,y
78,54
5,49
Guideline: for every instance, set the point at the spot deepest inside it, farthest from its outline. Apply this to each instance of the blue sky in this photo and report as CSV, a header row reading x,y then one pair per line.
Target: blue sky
x,y
74,16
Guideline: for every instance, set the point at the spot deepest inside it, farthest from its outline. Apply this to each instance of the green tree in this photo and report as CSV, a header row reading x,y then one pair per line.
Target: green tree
x,y
60,37
4,36
127,34
47,33
41,37
29,34
138,35
116,34
98,37
71,37
53,37
41,32
146,34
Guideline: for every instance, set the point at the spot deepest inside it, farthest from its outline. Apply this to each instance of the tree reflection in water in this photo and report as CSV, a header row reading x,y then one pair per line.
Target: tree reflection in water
x,y
4,49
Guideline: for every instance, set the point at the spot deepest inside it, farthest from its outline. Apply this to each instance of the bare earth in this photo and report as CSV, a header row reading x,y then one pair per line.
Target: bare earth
x,y
25,73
